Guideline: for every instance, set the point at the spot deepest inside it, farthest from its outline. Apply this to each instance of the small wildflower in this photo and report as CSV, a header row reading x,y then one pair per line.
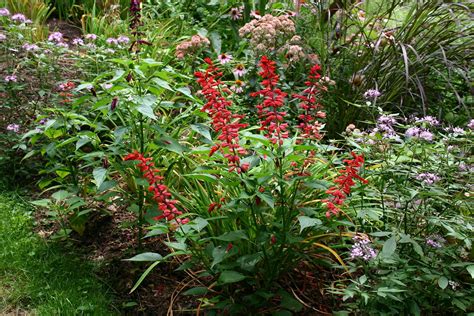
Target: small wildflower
x,y
428,178
458,131
239,70
236,13
20,18
471,124
435,241
30,47
2,37
362,248
55,37
421,133
107,86
77,42
64,45
122,39
372,94
91,37
429,120
255,14
454,285
224,58
111,41
13,127
4,12
11,78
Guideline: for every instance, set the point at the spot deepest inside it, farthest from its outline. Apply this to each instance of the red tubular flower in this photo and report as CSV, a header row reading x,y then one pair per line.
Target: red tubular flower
x,y
272,118
223,120
159,191
310,106
344,183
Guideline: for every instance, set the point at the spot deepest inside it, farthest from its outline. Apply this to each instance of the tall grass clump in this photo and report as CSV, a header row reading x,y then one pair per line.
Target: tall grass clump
x,y
414,54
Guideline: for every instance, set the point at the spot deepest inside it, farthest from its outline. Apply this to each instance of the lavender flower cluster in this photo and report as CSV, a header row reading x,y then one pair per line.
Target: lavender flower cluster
x,y
435,241
419,133
428,178
362,248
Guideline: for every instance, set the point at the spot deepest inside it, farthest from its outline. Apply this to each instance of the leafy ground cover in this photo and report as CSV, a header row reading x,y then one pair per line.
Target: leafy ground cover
x,y
43,278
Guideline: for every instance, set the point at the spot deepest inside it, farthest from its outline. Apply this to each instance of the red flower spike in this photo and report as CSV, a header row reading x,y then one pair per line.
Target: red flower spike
x,y
344,183
223,120
159,191
309,126
269,111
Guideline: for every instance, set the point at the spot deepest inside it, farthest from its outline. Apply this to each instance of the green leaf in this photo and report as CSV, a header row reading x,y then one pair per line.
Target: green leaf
x,y
470,269
389,247
147,110
443,282
176,245
232,236
267,198
60,195
43,202
289,302
216,42
171,144
146,256
306,221
99,176
202,129
230,276
218,254
186,91
143,276
205,177
163,84
200,290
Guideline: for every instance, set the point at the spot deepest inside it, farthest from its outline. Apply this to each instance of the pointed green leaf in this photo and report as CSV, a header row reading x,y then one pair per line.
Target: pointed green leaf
x,y
231,277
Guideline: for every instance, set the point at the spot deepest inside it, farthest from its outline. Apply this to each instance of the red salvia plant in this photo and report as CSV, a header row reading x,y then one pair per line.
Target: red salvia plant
x,y
344,183
159,191
223,120
269,111
310,106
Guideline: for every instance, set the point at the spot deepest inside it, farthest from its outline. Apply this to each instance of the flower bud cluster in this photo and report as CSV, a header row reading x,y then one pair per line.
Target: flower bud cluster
x,y
267,31
192,45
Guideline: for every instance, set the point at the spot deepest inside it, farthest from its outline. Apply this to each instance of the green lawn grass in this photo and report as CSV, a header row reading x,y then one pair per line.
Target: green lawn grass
x,y
43,278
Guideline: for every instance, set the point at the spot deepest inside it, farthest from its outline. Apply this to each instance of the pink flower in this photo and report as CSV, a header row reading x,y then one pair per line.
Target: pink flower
x,y
91,37
11,78
224,58
238,86
55,37
2,37
30,47
122,39
4,12
13,127
78,42
236,13
20,18
239,70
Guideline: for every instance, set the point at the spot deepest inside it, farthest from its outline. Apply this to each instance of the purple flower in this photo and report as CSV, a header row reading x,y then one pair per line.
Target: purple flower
x,y
435,241
428,178
55,37
471,124
372,94
4,12
429,120
387,120
114,103
62,45
239,70
11,78
421,133
91,37
458,131
78,42
13,127
111,41
2,37
30,47
362,248
20,18
122,39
